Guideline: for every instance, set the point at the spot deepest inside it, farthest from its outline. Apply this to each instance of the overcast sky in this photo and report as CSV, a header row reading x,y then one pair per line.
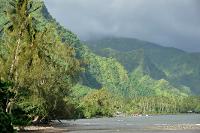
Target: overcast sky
x,y
174,23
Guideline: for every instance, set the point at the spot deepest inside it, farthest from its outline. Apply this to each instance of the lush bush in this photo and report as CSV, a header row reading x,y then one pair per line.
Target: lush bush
x,y
191,104
20,117
98,103
5,123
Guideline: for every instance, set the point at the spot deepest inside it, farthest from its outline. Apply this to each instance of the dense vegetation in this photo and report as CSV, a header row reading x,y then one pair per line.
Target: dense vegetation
x,y
40,67
178,67
164,105
5,118
47,73
108,72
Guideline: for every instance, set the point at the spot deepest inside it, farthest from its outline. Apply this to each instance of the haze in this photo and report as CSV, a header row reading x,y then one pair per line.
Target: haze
x,y
173,23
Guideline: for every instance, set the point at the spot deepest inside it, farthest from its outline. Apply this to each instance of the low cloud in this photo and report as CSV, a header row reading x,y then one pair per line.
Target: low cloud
x,y
174,23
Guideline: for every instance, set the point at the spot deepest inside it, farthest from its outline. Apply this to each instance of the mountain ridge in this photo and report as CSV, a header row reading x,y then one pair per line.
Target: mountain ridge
x,y
177,66
136,39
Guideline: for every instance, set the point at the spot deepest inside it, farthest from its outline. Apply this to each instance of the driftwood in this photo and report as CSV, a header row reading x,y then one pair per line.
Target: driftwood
x,y
38,120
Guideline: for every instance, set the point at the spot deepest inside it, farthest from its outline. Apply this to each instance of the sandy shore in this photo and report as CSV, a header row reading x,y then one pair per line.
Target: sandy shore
x,y
43,129
61,128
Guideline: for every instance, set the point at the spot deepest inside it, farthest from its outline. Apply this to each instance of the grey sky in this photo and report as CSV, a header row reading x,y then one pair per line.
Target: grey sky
x,y
173,23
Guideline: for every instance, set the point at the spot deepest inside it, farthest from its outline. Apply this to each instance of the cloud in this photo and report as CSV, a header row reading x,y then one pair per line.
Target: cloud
x,y
173,23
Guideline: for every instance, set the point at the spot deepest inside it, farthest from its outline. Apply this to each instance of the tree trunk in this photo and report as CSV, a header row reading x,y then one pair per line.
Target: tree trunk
x,y
14,64
13,74
9,107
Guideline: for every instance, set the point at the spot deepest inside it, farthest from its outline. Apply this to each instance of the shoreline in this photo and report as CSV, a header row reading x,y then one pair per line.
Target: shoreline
x,y
60,128
44,129
143,124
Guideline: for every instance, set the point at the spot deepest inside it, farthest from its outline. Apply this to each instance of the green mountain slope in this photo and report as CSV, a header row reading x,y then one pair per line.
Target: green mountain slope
x,y
118,69
100,72
176,66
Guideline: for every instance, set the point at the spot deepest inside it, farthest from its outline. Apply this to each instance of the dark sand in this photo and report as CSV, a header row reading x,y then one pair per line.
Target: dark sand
x,y
156,129
144,124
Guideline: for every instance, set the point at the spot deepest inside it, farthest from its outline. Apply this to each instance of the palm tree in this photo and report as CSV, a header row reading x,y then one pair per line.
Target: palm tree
x,y
20,25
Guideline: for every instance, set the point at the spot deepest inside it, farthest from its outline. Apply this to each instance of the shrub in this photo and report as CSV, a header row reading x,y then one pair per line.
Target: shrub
x,y
5,123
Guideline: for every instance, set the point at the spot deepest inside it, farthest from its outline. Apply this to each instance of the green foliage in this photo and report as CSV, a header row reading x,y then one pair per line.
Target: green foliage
x,y
80,91
5,119
5,94
191,103
163,105
107,72
5,123
144,85
98,103
20,117
42,67
156,105
178,67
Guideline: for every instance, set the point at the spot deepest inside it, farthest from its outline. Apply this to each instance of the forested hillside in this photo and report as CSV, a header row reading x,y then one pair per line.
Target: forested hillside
x,y
111,73
47,73
176,66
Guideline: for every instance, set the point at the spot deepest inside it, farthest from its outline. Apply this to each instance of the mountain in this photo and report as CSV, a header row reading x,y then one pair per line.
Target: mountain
x,y
100,72
115,64
178,67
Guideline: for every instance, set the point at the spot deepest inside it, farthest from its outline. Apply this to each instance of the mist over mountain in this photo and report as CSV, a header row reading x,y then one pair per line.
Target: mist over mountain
x,y
174,23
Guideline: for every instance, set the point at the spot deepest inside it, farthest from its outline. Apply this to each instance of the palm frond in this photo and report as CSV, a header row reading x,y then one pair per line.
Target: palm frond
x,y
12,4
35,9
4,25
